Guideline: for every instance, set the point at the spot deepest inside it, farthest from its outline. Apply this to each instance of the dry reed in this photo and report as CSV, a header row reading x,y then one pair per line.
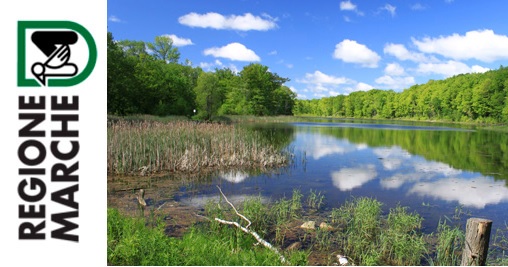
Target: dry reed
x,y
145,147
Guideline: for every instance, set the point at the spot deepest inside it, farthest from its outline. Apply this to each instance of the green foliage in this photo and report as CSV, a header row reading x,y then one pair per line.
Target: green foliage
x,y
146,78
475,97
163,49
140,83
209,96
262,86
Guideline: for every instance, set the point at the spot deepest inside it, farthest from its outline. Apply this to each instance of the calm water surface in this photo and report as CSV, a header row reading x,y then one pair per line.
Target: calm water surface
x,y
437,171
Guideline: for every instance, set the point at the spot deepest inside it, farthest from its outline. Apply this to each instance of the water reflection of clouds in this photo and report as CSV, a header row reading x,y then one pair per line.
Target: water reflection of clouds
x,y
424,178
392,158
438,180
399,179
475,193
319,146
349,178
436,167
234,176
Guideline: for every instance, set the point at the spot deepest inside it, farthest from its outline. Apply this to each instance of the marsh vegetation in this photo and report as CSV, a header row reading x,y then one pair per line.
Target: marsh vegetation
x,y
148,147
362,229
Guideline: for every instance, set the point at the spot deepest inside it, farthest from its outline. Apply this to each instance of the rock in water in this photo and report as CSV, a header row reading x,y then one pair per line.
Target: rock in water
x,y
311,225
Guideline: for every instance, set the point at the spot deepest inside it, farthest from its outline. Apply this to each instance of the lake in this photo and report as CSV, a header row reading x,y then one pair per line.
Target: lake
x,y
441,172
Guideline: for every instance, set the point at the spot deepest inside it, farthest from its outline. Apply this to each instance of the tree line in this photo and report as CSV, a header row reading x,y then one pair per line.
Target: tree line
x,y
475,97
147,78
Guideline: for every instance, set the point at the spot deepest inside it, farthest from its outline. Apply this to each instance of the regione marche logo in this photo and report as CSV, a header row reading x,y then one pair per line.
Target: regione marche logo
x,y
54,53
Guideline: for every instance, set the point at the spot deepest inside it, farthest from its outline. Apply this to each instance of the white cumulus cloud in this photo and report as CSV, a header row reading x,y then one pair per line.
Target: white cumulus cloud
x,y
394,69
359,87
233,51
395,82
483,45
402,53
179,41
320,83
320,78
449,68
352,52
246,22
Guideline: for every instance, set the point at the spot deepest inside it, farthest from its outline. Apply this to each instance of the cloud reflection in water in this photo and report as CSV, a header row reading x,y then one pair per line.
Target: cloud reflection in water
x,y
476,193
349,178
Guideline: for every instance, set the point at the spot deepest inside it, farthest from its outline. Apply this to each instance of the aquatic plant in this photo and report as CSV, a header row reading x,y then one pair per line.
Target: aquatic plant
x,y
449,244
315,200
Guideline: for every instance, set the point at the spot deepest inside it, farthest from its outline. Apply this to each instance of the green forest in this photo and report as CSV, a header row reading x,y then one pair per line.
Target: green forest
x,y
157,83
476,97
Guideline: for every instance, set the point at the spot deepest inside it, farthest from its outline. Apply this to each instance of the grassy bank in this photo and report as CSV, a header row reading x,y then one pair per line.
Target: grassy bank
x,y
148,146
130,242
359,229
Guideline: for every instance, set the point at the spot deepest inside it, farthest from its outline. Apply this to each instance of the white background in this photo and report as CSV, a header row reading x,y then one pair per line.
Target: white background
x,y
91,248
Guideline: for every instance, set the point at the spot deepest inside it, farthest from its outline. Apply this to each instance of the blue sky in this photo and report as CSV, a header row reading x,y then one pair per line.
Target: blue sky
x,y
327,47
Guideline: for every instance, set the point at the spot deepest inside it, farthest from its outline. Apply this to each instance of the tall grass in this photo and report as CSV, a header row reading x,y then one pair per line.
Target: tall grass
x,y
363,223
315,200
141,147
450,241
498,251
402,244
130,242
372,239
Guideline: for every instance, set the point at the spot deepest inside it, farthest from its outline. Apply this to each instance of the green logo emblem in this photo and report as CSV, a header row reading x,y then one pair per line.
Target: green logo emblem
x,y
54,53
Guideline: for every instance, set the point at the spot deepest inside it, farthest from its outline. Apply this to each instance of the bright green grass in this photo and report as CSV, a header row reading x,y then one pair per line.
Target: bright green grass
x,y
130,242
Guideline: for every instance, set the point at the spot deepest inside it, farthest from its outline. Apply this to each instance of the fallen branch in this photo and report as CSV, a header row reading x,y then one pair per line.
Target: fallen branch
x,y
256,236
161,205
244,229
237,213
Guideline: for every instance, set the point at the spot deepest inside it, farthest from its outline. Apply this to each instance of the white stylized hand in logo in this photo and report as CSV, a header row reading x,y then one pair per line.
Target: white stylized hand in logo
x,y
55,45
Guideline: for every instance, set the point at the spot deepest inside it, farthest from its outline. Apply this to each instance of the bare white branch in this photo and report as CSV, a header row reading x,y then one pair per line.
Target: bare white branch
x,y
237,213
246,230
256,236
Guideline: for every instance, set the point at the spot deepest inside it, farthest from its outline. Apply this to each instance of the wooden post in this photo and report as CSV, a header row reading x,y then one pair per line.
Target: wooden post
x,y
477,242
